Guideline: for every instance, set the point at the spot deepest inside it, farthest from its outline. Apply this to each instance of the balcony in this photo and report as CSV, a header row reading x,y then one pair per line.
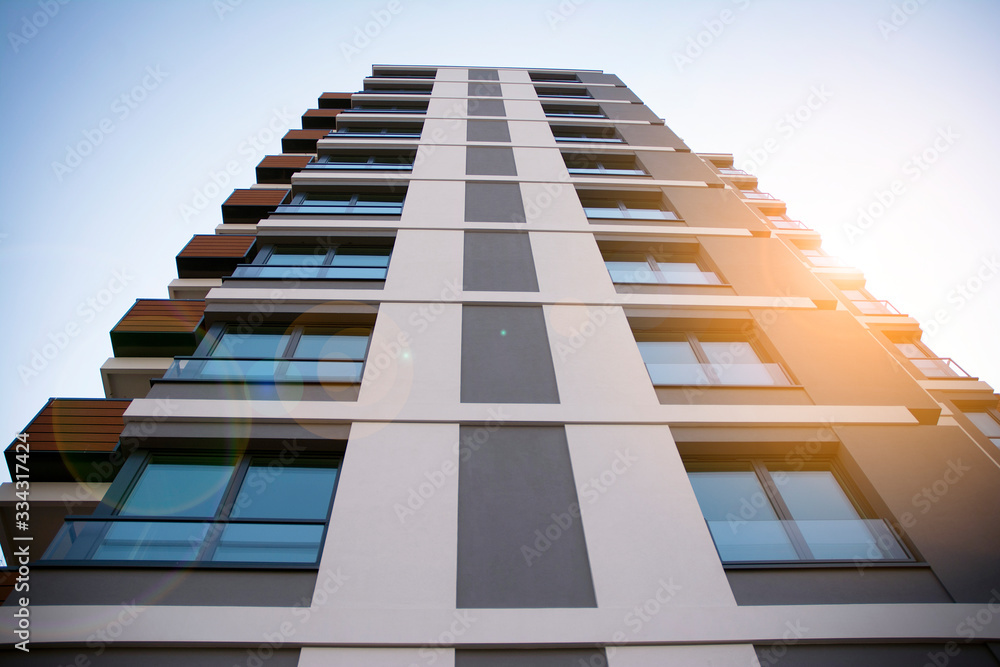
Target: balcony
x,y
757,194
876,307
781,541
784,222
247,369
402,162
344,204
375,133
939,367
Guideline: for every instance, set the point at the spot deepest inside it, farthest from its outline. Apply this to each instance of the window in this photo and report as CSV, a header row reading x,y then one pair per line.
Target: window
x,y
303,263
658,269
204,509
404,73
366,162
707,359
603,165
572,111
276,354
761,511
553,77
626,208
987,421
924,360
586,135
559,91
365,203
359,131
819,258
392,107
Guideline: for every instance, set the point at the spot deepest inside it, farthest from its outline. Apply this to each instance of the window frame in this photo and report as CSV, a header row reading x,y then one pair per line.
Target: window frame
x,y
694,340
626,212
283,361
991,413
764,468
108,512
653,261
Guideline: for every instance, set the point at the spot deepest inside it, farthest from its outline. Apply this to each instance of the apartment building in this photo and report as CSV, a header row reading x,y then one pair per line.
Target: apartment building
x,y
489,368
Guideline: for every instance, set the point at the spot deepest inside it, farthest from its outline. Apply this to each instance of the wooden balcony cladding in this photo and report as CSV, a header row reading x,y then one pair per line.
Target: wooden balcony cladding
x,y
280,168
69,436
335,101
159,328
214,255
320,119
301,141
249,206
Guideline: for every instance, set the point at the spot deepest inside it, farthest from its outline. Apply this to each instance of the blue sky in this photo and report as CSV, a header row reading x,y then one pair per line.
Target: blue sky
x,y
838,107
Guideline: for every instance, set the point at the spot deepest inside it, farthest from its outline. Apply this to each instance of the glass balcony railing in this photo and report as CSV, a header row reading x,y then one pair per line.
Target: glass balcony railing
x,y
319,207
172,540
366,166
606,171
589,140
766,541
757,374
754,194
939,367
244,369
629,213
786,223
733,171
271,272
360,134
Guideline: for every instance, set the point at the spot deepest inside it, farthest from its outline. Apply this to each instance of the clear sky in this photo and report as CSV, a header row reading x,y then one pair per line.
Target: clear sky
x,y
120,117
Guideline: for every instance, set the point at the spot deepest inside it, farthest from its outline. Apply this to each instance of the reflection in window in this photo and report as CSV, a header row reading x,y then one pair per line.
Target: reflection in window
x,y
758,512
707,359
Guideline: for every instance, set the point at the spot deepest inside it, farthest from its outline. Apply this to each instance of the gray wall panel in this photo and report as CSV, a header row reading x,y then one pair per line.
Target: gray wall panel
x,y
479,74
481,107
240,588
528,658
879,655
506,356
480,89
520,537
498,262
493,202
151,657
489,161
836,586
487,130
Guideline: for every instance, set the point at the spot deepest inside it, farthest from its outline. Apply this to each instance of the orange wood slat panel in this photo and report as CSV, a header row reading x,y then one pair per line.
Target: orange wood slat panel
x,y
322,113
258,197
285,161
306,134
336,96
218,245
98,403
162,315
67,424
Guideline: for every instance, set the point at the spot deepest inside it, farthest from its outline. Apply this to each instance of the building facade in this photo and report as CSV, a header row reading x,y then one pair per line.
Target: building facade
x,y
489,368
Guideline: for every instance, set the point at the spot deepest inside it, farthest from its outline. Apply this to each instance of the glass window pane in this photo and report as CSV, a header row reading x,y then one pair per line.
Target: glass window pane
x,y
667,352
269,543
740,517
735,362
160,540
686,273
266,343
289,492
290,272
813,494
985,423
296,257
631,272
347,345
178,489
361,257
355,273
